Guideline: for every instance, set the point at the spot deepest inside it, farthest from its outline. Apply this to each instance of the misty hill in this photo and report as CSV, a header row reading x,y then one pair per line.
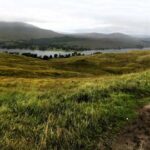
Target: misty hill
x,y
113,40
23,31
76,43
83,43
102,35
36,37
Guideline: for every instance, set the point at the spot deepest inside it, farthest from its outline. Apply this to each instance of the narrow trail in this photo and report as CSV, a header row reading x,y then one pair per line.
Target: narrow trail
x,y
136,136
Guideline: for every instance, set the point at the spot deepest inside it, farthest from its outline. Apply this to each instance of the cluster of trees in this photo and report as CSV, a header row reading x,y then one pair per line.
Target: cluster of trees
x,y
46,57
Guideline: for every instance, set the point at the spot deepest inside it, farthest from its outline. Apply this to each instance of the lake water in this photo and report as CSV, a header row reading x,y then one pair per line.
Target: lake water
x,y
41,53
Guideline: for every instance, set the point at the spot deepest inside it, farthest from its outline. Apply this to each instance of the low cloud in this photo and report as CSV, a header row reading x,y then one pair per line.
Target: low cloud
x,y
130,16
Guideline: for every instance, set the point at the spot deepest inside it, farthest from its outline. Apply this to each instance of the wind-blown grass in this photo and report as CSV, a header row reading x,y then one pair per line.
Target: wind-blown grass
x,y
78,117
68,113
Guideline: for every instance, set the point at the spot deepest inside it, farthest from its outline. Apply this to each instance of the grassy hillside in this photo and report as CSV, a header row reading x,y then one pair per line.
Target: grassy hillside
x,y
81,66
105,64
72,103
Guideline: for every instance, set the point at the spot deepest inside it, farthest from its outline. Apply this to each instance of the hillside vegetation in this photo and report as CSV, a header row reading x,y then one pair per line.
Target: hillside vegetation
x,y
73,103
81,66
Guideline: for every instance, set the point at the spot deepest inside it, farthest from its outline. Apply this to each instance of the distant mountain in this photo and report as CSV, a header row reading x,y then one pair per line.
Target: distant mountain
x,y
79,43
101,35
37,37
116,36
114,40
23,31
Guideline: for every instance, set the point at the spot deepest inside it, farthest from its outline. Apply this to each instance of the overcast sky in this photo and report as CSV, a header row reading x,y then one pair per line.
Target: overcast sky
x,y
105,16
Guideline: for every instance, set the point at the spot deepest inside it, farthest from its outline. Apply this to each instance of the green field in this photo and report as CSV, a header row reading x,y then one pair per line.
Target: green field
x,y
70,104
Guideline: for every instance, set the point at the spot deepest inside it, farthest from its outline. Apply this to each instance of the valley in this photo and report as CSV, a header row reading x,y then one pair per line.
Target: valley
x,y
74,75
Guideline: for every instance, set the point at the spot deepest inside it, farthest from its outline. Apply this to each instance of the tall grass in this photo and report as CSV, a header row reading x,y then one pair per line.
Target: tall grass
x,y
70,104
68,113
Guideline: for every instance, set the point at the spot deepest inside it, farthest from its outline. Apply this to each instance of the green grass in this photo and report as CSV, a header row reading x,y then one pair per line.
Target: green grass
x,y
82,66
43,110
106,64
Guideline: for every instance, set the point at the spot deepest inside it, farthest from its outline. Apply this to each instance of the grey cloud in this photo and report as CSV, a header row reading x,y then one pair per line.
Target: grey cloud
x,y
128,16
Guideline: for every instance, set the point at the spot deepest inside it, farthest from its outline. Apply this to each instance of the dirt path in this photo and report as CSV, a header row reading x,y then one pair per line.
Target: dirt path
x,y
135,136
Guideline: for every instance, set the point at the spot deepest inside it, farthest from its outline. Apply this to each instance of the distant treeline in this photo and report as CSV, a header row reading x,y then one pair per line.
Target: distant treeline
x,y
43,44
46,57
65,43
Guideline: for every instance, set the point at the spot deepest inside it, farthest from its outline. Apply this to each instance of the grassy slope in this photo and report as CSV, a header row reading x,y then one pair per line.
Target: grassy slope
x,y
105,64
83,66
69,113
